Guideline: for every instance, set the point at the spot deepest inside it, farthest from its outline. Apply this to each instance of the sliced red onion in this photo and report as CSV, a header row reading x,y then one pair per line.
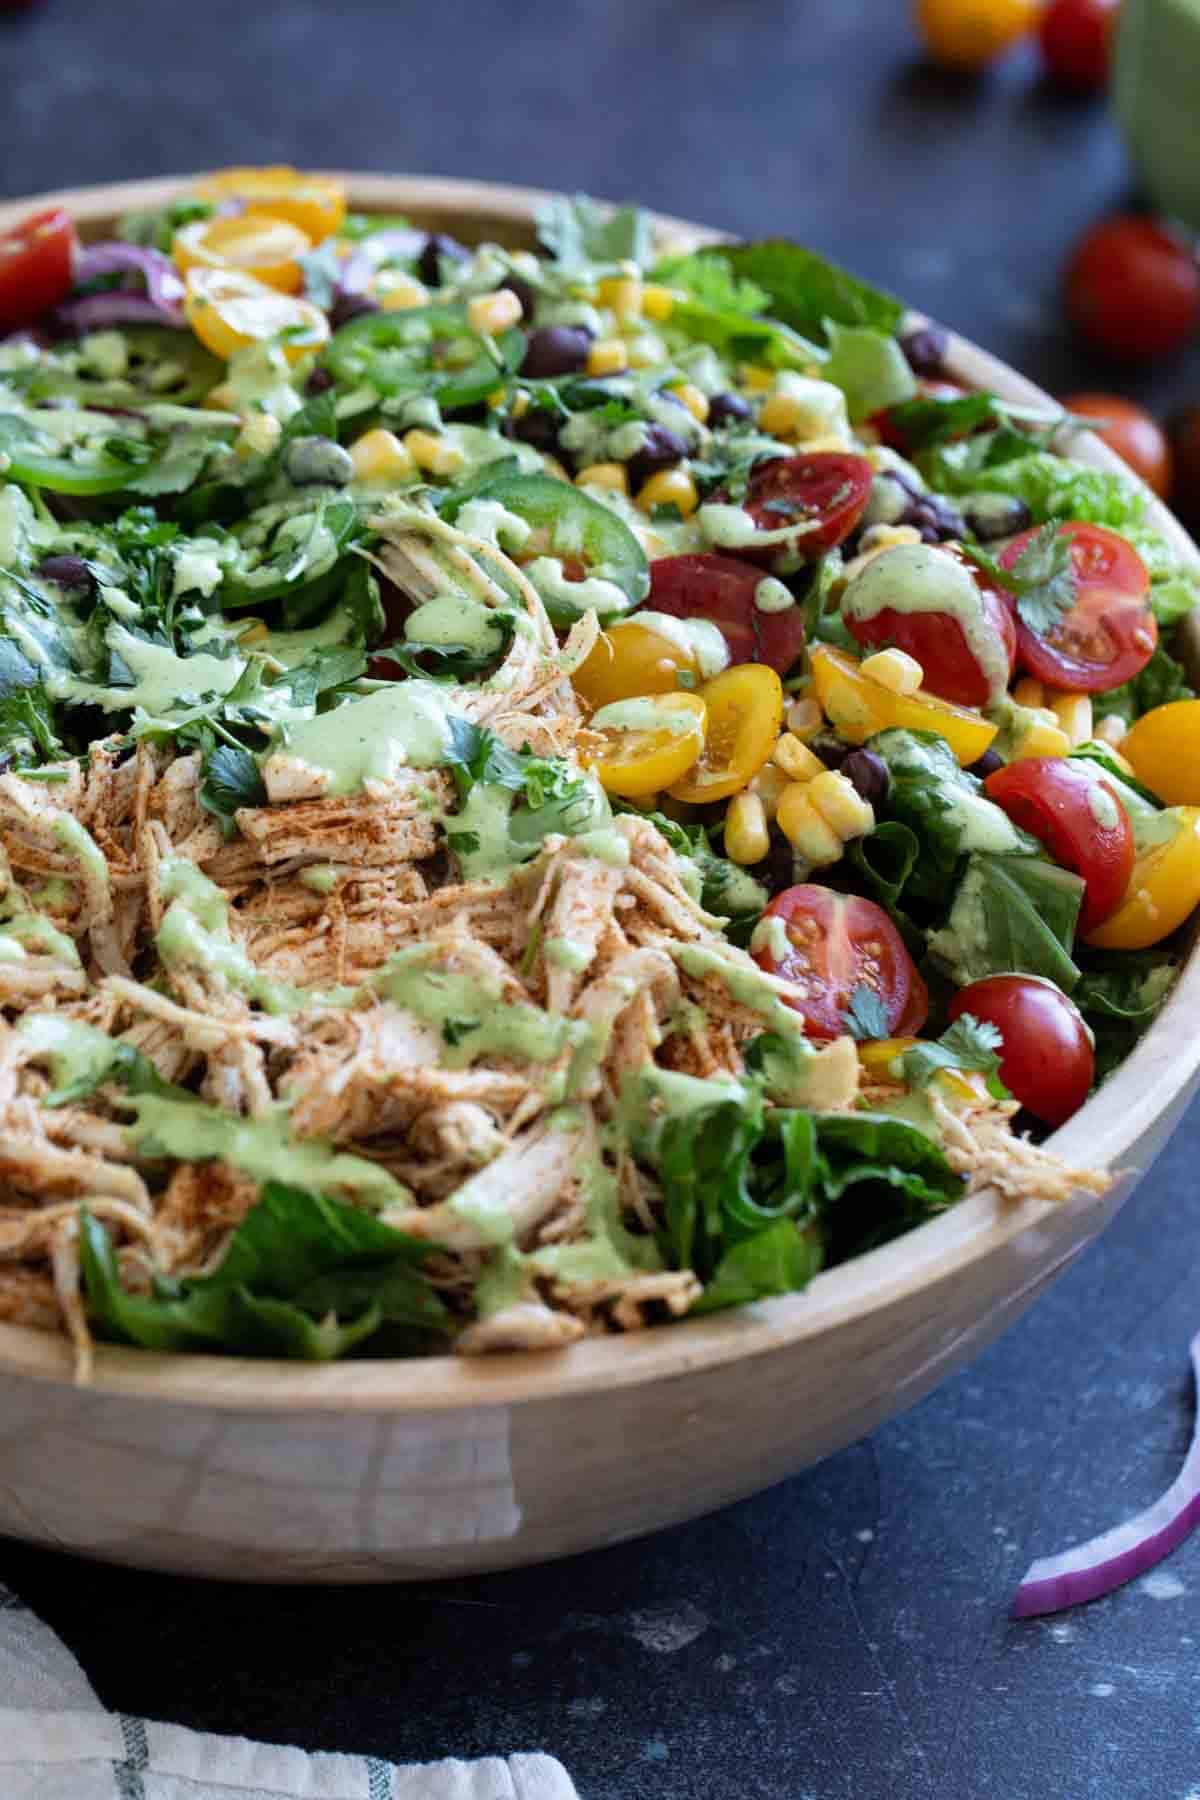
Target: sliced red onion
x,y
96,311
160,304
1055,1582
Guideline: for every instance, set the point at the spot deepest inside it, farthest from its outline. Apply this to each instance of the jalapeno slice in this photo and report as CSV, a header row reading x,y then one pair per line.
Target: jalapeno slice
x,y
416,351
34,458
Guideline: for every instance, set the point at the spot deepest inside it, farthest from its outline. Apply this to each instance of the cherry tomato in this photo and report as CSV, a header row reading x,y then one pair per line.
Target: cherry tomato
x,y
254,243
1076,38
829,487
1080,820
939,644
1163,891
858,707
1046,1062
722,589
836,943
1110,633
1129,430
968,34
745,713
37,258
1164,750
316,203
629,659
1133,289
229,311
648,748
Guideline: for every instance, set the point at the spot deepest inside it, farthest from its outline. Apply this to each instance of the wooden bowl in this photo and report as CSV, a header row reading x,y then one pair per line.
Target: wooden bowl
x,y
371,1471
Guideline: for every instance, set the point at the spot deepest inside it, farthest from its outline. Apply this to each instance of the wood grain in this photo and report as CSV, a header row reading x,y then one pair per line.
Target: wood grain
x,y
387,1470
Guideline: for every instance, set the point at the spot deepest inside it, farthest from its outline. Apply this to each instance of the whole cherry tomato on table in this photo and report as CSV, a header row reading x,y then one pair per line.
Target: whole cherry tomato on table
x,y
1076,40
834,943
1080,820
1109,634
1133,288
37,260
722,589
968,34
1131,432
1046,1062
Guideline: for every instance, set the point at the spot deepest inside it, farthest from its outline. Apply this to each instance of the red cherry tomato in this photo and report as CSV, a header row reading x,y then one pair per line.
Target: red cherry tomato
x,y
1047,1061
1133,288
722,589
836,943
1129,430
1076,38
37,258
939,644
1057,801
1110,633
826,486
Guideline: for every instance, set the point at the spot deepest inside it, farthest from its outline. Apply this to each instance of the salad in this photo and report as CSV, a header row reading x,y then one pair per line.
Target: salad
x,y
541,793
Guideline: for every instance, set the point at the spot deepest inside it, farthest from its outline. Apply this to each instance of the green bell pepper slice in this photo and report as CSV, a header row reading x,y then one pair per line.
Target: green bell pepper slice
x,y
161,363
397,353
284,550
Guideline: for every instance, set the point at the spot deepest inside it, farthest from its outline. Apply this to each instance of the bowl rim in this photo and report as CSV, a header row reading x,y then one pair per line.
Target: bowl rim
x,y
1140,1092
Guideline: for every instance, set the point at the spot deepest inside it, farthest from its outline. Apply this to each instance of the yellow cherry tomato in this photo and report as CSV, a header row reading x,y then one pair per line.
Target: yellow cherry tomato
x,y
745,712
628,659
967,34
648,742
229,311
254,243
857,707
316,203
1163,891
877,1056
1163,749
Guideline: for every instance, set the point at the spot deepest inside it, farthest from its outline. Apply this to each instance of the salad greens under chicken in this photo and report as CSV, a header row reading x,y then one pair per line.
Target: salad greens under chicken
x,y
541,792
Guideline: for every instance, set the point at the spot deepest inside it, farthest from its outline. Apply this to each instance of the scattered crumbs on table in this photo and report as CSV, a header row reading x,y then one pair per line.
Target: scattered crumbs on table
x,y
1160,1585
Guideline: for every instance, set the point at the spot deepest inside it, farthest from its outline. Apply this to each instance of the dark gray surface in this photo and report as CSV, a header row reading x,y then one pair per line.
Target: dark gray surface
x,y
845,1634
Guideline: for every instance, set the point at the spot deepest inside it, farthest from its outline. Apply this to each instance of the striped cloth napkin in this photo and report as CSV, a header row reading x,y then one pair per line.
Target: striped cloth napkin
x,y
58,1743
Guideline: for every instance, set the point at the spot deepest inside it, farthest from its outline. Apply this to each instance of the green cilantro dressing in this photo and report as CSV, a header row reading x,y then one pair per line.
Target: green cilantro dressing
x,y
606,844
456,619
405,724
471,1012
75,1051
162,681
743,982
699,639
646,713
574,598
565,953
920,578
195,933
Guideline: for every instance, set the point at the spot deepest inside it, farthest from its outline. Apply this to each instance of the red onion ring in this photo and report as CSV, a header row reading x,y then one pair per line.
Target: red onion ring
x,y
1087,1571
160,304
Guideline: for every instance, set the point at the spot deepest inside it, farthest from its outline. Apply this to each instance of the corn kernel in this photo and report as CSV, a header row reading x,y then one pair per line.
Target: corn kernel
x,y
804,828
623,293
1112,730
489,314
769,784
747,839
520,405
756,378
895,670
1029,692
607,356
658,303
796,759
670,487
396,292
613,477
259,435
436,455
1043,740
1074,715
380,456
804,719
781,415
689,394
841,805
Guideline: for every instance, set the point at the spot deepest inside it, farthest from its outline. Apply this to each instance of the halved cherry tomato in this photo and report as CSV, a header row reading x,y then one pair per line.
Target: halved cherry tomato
x,y
745,712
858,707
1163,749
648,748
629,659
1164,889
1046,1061
316,203
254,243
37,259
722,589
839,942
1133,288
1076,37
938,641
828,488
229,311
1110,633
1081,821
1131,432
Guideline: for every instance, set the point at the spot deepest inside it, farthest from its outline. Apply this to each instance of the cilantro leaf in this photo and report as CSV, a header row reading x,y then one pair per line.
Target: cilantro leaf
x,y
580,231
866,1016
231,778
27,727
970,1045
1042,578
455,1030
925,421
709,278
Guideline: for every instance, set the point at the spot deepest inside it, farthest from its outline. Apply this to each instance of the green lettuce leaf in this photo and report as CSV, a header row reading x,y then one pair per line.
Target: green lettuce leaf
x,y
1160,682
1011,914
869,367
805,289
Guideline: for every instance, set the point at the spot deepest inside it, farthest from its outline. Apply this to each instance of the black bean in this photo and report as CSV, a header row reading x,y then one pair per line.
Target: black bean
x,y
925,349
318,459
831,750
935,519
319,382
556,350
350,306
437,249
993,516
662,449
726,409
986,765
66,571
870,776
535,427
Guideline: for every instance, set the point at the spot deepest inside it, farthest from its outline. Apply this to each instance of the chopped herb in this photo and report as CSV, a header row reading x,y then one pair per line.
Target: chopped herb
x,y
866,1016
1042,578
970,1045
